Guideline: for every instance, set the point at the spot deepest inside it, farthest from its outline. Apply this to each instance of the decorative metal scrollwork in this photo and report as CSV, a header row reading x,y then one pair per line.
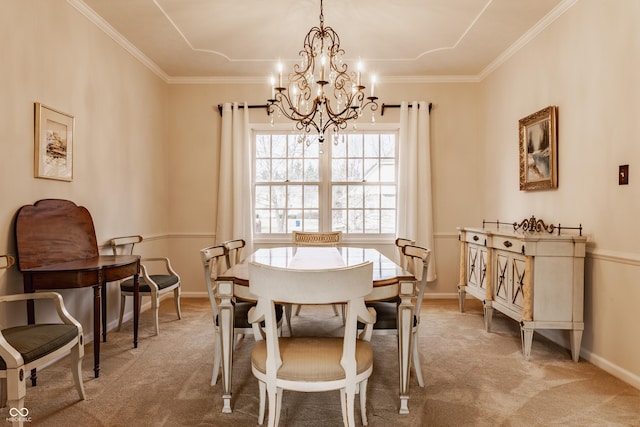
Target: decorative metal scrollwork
x,y
534,225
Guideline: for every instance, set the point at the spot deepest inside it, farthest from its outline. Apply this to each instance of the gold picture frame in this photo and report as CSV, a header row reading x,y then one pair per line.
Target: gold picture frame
x,y
53,134
539,150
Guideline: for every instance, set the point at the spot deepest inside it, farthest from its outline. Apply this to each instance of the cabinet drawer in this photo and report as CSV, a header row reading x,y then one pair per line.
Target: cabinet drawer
x,y
477,238
508,244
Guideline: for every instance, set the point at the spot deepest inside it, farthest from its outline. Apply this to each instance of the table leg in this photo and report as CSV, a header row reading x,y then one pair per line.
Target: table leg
x,y
103,295
226,325
405,341
136,309
96,330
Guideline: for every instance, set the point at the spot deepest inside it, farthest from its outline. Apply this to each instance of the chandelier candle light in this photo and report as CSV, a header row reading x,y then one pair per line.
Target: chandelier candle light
x,y
321,96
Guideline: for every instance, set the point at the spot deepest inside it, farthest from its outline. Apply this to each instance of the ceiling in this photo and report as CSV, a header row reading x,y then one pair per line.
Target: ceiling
x,y
242,40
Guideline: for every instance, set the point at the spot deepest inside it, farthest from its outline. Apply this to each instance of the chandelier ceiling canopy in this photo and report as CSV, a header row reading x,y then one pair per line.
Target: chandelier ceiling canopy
x,y
320,93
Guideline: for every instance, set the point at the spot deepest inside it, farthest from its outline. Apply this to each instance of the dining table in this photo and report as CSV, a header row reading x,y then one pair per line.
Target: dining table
x,y
390,281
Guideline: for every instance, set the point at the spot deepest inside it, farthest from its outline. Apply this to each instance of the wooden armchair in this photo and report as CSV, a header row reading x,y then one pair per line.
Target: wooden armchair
x,y
27,347
157,278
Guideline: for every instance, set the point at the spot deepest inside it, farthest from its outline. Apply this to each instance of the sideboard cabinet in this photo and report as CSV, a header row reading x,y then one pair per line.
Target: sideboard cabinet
x,y
531,272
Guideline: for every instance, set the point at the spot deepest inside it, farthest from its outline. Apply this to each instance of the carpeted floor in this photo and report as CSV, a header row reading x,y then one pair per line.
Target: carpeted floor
x,y
473,378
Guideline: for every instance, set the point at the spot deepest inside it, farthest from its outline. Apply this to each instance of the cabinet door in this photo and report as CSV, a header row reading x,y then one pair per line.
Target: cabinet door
x,y
516,284
502,276
477,266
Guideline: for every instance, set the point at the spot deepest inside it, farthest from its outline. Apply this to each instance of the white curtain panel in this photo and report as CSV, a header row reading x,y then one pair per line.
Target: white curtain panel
x,y
234,181
415,204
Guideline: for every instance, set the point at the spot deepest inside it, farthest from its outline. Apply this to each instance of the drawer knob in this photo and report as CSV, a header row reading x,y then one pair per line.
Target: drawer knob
x,y
507,244
476,238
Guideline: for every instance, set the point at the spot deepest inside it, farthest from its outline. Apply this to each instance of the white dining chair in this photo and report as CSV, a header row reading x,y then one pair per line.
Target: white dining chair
x,y
387,311
212,257
312,364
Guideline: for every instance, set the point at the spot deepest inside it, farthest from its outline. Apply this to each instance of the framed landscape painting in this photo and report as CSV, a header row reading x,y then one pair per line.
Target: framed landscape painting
x,y
539,150
53,144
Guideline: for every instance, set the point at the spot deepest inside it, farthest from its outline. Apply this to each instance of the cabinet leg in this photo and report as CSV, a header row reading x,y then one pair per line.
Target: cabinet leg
x,y
575,336
488,315
526,335
461,297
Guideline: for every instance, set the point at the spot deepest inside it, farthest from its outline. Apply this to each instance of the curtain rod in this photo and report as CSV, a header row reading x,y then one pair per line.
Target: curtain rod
x,y
397,106
381,110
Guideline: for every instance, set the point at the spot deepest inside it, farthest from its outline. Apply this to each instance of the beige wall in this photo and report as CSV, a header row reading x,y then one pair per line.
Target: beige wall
x,y
585,63
195,133
53,55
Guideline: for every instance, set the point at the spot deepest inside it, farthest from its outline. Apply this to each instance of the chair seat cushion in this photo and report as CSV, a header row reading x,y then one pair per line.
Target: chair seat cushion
x,y
386,315
162,280
312,358
241,314
36,341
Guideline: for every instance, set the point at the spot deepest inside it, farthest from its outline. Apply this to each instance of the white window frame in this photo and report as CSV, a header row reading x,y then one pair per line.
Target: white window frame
x,y
325,184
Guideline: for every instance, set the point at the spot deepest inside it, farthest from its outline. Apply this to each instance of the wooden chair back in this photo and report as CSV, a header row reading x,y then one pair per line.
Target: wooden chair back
x,y
311,238
418,264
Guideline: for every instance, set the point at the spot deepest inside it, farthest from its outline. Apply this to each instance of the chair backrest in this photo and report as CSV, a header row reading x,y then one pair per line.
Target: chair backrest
x,y
234,251
6,261
418,264
401,242
124,245
211,258
312,238
340,285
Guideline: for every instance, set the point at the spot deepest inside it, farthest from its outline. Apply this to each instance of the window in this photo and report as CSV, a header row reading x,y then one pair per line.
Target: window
x,y
350,186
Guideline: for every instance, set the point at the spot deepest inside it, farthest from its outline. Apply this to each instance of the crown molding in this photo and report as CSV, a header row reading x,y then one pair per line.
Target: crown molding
x,y
86,11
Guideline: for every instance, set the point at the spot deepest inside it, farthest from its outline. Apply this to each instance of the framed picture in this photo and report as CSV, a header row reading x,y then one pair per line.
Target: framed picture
x,y
53,144
539,150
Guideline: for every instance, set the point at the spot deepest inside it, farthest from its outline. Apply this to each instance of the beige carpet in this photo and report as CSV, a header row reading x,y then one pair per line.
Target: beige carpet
x,y
472,379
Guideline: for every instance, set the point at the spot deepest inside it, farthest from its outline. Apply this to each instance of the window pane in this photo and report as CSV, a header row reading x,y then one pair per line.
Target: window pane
x,y
354,148
263,170
294,196
355,221
294,220
339,170
339,220
263,146
371,145
311,197
279,170
340,150
262,221
312,170
339,198
388,221
355,196
371,170
372,221
295,170
278,146
355,170
311,220
372,197
388,196
387,145
263,197
278,196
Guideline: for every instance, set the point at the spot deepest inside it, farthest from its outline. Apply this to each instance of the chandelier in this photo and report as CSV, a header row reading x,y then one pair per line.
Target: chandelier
x,y
320,93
